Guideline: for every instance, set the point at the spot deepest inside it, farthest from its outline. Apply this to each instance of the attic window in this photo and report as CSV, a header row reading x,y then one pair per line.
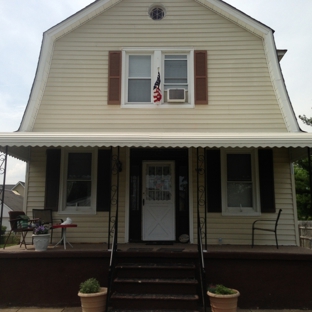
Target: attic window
x,y
156,13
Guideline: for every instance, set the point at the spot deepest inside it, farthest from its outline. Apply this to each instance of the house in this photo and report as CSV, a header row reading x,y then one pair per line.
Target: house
x,y
162,110
13,200
175,115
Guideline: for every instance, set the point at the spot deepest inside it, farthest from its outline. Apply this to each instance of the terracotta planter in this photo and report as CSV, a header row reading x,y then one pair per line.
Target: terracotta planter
x,y
95,302
41,241
223,303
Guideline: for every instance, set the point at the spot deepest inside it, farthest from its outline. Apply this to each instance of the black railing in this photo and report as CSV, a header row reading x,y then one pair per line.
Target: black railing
x,y
113,225
201,226
202,271
111,268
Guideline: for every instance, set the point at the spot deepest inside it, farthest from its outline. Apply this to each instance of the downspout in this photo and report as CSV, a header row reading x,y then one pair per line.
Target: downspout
x,y
3,164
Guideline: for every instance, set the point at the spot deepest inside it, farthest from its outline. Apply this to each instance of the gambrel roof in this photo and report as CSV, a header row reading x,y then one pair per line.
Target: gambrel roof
x,y
99,6
21,140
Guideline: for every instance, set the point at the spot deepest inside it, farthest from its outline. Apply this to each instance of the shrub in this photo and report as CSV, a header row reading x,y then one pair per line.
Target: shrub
x,y
3,229
221,290
90,286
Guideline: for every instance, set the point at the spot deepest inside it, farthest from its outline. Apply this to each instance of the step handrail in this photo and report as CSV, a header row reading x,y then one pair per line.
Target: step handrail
x,y
111,268
202,271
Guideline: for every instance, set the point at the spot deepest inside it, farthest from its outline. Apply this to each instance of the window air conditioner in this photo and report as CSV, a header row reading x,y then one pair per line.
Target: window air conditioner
x,y
176,95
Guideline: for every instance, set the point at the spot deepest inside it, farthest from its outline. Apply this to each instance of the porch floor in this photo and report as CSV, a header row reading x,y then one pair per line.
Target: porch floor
x,y
176,247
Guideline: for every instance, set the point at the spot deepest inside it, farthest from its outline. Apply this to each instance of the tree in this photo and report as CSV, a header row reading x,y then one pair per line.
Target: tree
x,y
302,178
306,120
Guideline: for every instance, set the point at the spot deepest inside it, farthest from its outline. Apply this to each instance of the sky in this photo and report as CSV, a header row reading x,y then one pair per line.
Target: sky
x,y
22,23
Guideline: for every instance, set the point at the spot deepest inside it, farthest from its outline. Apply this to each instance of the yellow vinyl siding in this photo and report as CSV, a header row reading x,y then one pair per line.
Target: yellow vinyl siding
x,y
233,230
91,228
237,230
240,93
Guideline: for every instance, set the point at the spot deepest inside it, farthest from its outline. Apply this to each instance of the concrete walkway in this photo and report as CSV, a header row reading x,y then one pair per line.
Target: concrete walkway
x,y
34,309
78,309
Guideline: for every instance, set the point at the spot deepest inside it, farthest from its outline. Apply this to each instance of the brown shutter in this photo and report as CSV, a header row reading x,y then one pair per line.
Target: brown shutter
x,y
114,78
266,177
200,77
53,166
104,180
213,168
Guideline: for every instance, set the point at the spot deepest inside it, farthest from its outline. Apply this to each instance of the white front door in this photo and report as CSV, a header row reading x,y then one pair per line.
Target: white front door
x,y
158,211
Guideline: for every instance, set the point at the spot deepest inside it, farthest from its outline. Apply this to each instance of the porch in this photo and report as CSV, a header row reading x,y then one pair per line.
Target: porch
x,y
263,275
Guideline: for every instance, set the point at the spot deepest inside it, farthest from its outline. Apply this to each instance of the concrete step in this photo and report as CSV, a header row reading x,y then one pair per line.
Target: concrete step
x,y
154,301
156,285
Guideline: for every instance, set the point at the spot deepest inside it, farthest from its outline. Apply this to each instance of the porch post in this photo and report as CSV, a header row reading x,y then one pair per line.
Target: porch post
x,y
116,168
3,165
201,195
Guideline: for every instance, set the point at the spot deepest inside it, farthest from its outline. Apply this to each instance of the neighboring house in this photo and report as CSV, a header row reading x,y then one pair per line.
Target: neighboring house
x,y
19,188
13,200
222,139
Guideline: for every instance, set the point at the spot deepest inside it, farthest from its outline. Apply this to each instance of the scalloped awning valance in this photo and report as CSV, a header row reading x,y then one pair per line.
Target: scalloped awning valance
x,y
19,142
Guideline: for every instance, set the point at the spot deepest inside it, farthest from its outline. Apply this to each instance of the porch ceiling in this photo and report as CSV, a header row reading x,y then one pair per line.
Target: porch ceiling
x,y
19,142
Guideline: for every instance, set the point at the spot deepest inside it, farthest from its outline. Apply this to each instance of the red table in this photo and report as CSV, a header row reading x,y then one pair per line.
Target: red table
x,y
63,227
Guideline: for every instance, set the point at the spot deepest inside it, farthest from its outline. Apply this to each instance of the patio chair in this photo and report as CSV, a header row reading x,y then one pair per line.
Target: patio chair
x,y
45,217
268,229
19,225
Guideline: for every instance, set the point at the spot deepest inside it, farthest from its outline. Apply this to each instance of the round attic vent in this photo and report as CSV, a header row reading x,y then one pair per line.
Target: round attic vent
x,y
156,13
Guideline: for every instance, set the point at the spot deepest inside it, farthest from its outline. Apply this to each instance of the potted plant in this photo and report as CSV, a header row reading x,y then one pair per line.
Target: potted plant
x,y
41,237
223,299
92,296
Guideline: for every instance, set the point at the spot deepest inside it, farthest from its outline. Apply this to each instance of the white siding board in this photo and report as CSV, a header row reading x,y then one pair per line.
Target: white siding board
x,y
237,73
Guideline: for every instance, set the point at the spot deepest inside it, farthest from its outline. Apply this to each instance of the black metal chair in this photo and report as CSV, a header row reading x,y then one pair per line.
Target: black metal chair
x,y
45,217
19,223
268,229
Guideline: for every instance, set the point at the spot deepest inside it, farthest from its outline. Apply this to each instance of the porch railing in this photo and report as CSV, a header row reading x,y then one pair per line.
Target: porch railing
x,y
113,230
202,271
201,228
111,268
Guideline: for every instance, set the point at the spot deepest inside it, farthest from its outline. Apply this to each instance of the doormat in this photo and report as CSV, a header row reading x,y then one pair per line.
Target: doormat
x,y
159,243
140,249
170,249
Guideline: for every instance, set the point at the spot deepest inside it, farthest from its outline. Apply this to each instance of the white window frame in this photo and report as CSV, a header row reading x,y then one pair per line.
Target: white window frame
x,y
157,61
255,210
63,209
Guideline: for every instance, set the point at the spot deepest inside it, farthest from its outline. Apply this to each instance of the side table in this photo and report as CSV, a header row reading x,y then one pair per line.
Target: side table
x,y
63,227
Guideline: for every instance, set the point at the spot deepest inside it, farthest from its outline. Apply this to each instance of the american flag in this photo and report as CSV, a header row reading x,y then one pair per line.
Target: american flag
x,y
157,92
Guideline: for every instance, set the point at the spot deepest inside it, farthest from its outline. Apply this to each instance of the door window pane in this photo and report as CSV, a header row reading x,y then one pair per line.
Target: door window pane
x,y
158,183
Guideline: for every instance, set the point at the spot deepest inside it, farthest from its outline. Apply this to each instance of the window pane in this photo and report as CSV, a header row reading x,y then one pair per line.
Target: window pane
x,y
78,193
175,71
239,167
175,57
139,90
140,66
239,194
79,166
